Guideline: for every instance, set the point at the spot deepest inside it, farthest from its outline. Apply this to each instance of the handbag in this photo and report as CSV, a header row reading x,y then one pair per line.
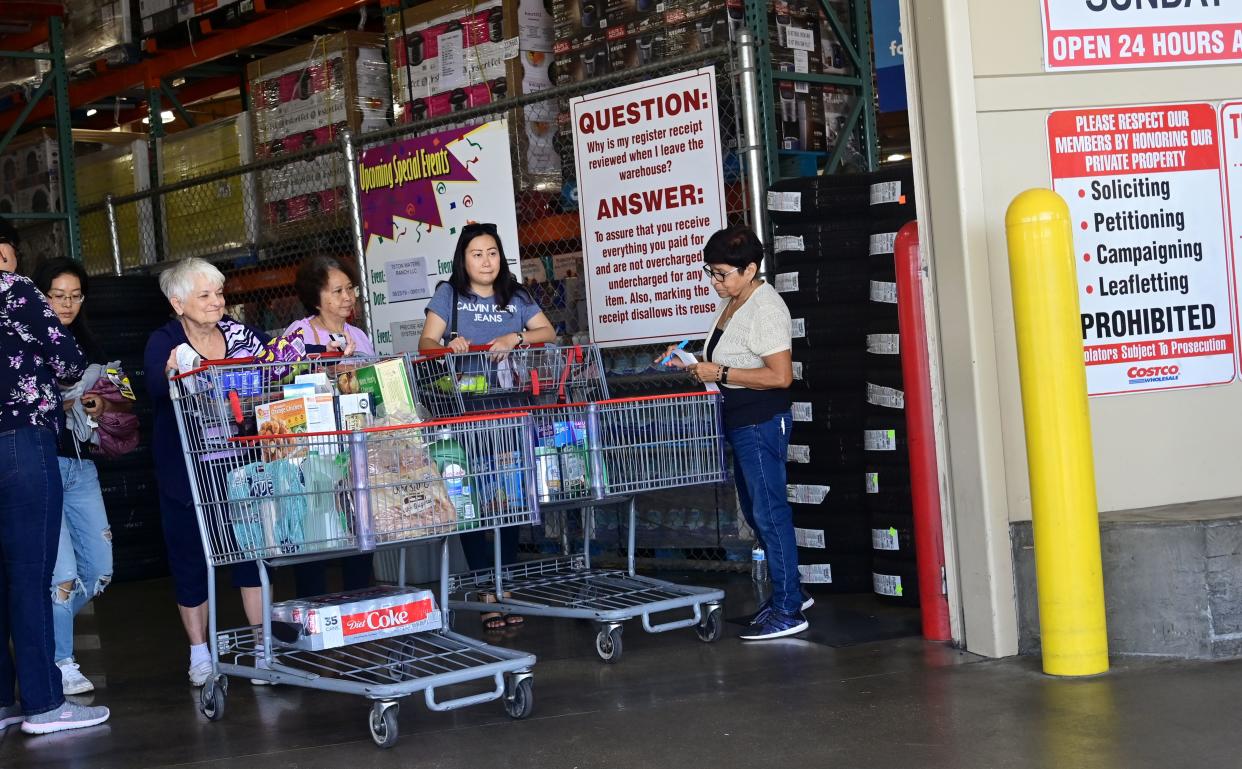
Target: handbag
x,y
116,433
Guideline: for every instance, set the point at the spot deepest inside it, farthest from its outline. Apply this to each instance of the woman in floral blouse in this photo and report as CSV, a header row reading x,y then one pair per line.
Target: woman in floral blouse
x,y
37,351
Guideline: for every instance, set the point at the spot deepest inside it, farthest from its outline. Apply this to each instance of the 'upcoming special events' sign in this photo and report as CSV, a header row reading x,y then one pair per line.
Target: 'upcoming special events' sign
x,y
1144,191
1100,34
650,193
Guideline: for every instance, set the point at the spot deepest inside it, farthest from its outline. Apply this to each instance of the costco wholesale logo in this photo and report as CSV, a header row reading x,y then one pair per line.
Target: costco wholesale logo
x,y
1145,375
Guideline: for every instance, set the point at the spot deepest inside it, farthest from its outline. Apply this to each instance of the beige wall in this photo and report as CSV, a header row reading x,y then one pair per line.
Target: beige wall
x,y
983,99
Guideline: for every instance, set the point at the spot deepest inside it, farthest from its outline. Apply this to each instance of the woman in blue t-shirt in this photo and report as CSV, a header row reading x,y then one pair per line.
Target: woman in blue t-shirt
x,y
482,304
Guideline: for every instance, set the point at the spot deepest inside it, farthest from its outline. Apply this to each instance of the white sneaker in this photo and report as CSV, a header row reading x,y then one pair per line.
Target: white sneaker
x,y
71,678
67,716
200,672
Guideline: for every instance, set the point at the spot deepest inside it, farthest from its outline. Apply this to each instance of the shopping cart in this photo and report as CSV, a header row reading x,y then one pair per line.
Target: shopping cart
x,y
590,452
275,481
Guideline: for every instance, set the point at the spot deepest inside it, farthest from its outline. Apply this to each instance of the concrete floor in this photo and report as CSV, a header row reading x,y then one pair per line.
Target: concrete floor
x,y
671,702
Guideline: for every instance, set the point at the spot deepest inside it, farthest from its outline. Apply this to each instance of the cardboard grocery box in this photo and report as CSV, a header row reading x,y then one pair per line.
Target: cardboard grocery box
x,y
305,97
214,217
451,55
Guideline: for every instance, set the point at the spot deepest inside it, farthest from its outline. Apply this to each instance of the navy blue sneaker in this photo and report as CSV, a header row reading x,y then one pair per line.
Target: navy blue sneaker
x,y
807,602
775,624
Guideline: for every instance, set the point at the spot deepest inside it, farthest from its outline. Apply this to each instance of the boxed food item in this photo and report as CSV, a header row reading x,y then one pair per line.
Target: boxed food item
x,y
303,98
330,621
388,384
215,217
407,494
452,55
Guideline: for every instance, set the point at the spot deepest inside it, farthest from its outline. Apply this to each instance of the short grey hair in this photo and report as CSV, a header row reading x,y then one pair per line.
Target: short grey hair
x,y
178,280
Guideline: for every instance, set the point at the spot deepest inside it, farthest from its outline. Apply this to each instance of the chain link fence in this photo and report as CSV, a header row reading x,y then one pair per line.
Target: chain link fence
x,y
259,211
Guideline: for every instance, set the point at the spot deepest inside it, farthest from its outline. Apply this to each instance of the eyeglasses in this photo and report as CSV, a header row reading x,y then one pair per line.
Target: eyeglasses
x,y
69,299
357,292
719,277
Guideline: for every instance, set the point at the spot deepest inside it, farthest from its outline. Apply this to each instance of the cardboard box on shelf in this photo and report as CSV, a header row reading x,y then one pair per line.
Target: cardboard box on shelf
x,y
451,55
118,171
215,217
305,97
583,23
93,29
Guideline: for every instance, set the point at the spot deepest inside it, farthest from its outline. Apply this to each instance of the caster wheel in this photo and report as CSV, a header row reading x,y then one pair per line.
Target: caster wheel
x,y
712,627
608,644
523,702
383,723
211,700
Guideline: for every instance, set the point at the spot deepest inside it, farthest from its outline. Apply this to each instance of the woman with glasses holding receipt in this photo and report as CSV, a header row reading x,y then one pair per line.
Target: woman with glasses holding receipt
x,y
748,353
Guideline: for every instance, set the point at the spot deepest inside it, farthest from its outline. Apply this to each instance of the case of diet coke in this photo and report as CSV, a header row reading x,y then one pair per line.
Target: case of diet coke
x,y
339,619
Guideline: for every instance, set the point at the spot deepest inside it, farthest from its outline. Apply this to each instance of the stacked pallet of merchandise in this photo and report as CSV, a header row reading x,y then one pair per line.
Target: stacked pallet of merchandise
x,y
304,98
452,55
820,268
95,31
888,504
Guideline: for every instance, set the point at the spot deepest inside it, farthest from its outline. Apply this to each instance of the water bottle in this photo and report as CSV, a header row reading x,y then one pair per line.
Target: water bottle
x,y
758,565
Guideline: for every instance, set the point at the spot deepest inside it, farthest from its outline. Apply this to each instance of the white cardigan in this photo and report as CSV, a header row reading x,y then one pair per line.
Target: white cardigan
x,y
759,328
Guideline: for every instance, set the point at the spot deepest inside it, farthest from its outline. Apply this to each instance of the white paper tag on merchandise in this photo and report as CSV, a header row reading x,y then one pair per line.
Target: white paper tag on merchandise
x,y
817,573
888,397
873,483
331,627
884,344
884,243
810,538
798,328
784,201
801,87
788,242
797,370
880,440
887,584
802,62
798,454
787,282
452,61
801,411
802,494
884,292
511,52
886,192
884,539
800,40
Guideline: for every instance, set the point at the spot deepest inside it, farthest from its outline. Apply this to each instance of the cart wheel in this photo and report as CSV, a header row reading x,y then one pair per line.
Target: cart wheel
x,y
383,723
523,702
712,627
608,644
211,701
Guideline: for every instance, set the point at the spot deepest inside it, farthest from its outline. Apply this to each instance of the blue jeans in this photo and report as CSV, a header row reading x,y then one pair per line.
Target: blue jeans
x,y
30,506
759,468
84,557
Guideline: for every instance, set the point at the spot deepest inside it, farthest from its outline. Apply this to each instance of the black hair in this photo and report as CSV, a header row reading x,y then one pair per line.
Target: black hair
x,y
51,269
736,246
313,276
9,234
506,286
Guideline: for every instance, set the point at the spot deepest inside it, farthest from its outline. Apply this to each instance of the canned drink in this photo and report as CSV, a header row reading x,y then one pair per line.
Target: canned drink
x,y
228,382
251,383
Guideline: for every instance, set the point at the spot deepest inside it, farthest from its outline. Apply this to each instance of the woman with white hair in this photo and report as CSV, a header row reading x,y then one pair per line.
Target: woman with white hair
x,y
195,289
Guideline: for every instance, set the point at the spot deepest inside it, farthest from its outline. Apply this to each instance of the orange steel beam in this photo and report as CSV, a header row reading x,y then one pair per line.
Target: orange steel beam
x,y
25,41
166,63
189,93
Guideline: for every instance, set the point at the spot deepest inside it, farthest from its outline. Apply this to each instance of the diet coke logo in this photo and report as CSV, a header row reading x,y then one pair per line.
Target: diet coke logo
x,y
387,618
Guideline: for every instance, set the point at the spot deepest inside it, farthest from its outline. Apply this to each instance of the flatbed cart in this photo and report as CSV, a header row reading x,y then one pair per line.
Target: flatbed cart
x,y
587,454
268,489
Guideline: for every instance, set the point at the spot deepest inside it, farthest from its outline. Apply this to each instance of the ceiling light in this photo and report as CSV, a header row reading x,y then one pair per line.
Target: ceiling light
x,y
92,112
166,116
895,157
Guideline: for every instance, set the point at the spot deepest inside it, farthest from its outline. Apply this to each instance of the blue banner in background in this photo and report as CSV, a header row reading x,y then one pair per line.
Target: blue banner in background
x,y
890,72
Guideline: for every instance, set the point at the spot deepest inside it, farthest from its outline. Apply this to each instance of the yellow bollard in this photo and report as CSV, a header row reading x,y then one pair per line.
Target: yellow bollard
x,y
1058,435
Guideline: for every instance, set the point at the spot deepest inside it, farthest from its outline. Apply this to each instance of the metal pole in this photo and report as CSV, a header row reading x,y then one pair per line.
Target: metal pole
x,y
752,136
64,138
114,235
355,223
1064,513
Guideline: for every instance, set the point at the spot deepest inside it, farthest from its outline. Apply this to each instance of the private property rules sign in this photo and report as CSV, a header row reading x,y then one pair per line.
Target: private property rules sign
x,y
1143,186
1111,34
650,193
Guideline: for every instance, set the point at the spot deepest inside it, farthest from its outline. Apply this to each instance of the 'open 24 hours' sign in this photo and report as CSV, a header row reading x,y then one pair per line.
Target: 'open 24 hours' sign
x,y
1112,34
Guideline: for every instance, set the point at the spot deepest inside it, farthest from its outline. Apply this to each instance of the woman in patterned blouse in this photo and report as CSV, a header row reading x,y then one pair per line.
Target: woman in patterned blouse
x,y
37,351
